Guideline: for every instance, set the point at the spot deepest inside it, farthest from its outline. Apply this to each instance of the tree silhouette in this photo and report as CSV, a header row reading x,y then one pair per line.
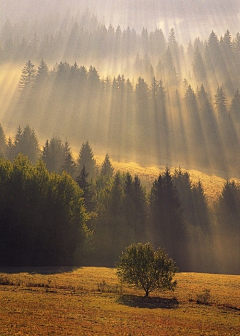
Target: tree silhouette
x,y
28,76
107,168
86,158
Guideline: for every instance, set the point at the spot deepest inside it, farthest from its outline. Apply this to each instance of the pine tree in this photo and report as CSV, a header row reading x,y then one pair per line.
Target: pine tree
x,y
41,74
198,67
169,70
221,101
174,49
3,146
228,207
107,168
86,158
88,194
166,217
10,150
69,165
26,142
53,155
235,107
28,76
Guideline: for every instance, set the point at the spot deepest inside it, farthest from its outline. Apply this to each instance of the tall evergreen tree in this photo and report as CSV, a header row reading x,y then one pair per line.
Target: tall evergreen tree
x,y
86,158
166,217
198,67
69,165
88,194
235,107
28,144
107,168
28,76
53,155
3,146
41,74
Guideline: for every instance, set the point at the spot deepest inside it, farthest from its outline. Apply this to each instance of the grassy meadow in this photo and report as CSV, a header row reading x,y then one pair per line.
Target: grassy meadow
x,y
90,301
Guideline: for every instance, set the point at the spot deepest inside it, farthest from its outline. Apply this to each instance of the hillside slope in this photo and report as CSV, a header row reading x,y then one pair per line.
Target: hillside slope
x,y
212,184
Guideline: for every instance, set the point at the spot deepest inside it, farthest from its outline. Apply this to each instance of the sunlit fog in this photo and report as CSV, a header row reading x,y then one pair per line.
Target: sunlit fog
x,y
155,83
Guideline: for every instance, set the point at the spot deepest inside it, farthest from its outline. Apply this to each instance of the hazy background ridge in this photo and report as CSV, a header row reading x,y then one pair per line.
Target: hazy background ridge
x,y
187,17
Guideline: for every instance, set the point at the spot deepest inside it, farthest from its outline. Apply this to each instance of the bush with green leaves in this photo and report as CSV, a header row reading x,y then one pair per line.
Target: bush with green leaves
x,y
143,268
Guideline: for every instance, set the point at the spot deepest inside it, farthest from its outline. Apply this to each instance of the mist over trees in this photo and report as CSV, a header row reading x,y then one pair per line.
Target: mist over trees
x,y
151,121
140,93
183,15
83,219
161,93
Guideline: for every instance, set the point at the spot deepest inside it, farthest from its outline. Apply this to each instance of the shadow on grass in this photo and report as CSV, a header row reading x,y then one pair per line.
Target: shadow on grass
x,y
148,302
38,270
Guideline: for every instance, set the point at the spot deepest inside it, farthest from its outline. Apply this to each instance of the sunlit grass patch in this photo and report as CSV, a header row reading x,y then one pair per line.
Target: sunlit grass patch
x,y
85,301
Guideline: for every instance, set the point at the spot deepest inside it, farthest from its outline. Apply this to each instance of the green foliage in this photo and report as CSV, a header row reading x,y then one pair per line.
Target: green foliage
x,y
144,268
86,158
166,217
107,168
88,192
3,146
25,142
42,215
228,211
54,155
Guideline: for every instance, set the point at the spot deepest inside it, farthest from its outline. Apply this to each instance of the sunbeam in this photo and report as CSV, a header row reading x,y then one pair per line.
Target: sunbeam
x,y
152,83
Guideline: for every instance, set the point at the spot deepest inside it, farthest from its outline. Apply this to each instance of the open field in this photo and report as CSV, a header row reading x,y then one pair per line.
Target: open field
x,y
90,301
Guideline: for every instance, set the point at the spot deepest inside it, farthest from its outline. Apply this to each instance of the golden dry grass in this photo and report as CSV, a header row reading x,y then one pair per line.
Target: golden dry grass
x,y
212,184
86,301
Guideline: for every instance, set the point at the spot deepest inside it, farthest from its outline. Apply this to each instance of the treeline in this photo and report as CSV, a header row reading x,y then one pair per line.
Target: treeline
x,y
84,39
152,122
50,218
42,216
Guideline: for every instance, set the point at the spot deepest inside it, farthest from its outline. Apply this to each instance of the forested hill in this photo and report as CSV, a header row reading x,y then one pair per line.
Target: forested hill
x,y
146,97
62,211
155,124
152,82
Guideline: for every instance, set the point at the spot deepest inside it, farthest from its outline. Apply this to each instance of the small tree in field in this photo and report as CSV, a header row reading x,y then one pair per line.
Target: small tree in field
x,y
142,267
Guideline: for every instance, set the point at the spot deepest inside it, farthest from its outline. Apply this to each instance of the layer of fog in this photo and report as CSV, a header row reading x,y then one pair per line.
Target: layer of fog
x,y
188,18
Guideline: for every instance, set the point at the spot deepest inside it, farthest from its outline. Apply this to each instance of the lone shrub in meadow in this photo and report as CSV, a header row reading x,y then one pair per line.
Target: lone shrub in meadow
x,y
142,267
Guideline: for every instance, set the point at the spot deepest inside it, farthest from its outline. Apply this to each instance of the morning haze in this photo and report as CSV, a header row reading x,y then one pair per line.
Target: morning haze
x,y
120,131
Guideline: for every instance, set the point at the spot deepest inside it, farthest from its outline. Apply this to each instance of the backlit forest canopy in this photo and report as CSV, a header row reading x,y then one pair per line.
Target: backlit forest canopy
x,y
142,95
148,82
84,213
153,123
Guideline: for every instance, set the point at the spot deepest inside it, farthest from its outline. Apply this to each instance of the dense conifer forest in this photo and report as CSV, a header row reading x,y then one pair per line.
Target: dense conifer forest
x,y
59,211
156,95
137,93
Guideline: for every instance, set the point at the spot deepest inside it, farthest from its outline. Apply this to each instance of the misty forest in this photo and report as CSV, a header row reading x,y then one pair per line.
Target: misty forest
x,y
152,88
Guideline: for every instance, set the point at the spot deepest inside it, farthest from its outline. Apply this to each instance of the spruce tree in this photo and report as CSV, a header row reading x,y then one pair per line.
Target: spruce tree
x,y
86,158
28,76
235,107
69,165
41,74
53,155
3,146
107,168
88,194
166,217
